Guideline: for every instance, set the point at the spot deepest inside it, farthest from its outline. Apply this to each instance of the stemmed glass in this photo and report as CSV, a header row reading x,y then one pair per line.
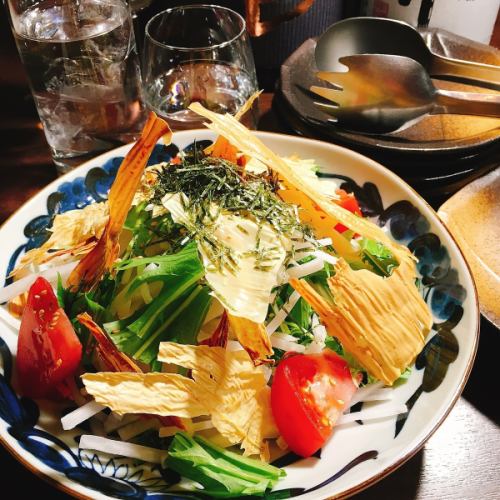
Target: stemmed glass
x,y
197,53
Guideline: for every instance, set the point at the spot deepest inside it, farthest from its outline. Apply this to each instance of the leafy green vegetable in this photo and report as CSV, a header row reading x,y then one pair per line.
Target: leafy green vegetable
x,y
179,322
182,326
169,268
301,314
378,257
178,272
319,281
147,232
222,473
333,344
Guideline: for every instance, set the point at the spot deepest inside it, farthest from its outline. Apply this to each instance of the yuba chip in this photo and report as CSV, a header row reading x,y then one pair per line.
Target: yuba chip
x,y
225,385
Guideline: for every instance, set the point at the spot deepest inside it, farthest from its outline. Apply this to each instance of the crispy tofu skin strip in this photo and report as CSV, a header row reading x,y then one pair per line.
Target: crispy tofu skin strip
x,y
233,388
103,255
73,233
222,148
162,394
225,385
114,359
382,322
117,361
253,337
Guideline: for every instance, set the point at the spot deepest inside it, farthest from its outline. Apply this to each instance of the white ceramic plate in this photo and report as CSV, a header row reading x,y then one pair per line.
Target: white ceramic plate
x,y
357,455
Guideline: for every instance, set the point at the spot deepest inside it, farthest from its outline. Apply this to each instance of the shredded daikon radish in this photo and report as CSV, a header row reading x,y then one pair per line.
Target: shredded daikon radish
x,y
326,257
281,315
114,447
319,254
133,429
76,417
20,286
365,391
305,269
202,426
378,411
283,341
145,293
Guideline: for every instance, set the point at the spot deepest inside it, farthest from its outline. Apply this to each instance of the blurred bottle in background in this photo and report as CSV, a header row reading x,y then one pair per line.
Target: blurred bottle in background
x,y
276,27
474,19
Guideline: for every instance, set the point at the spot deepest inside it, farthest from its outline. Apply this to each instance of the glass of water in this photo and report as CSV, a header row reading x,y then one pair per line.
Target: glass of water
x,y
83,69
197,53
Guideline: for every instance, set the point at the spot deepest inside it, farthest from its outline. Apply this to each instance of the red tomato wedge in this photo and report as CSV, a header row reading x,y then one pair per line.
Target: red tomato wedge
x,y
349,202
308,394
48,350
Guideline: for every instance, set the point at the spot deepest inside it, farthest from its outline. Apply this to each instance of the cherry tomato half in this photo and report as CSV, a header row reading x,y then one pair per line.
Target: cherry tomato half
x,y
48,349
308,394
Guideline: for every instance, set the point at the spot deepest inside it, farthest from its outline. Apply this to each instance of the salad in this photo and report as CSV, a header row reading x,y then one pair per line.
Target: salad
x,y
216,312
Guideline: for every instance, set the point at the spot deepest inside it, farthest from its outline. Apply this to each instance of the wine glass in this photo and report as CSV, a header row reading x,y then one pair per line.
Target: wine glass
x,y
197,53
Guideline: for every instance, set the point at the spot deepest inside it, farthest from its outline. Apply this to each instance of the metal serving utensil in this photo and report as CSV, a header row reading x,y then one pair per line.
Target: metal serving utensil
x,y
382,93
375,35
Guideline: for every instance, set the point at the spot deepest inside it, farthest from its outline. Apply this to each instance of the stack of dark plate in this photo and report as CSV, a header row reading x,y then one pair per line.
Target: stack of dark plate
x,y
436,156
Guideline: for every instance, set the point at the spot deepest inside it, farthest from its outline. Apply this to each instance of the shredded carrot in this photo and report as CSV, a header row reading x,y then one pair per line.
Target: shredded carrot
x,y
90,269
223,149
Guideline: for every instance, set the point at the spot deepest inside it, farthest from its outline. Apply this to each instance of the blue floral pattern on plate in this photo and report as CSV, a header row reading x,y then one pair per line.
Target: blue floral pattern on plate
x,y
77,194
122,478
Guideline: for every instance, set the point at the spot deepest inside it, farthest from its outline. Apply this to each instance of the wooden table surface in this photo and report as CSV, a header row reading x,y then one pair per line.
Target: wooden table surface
x,y
460,461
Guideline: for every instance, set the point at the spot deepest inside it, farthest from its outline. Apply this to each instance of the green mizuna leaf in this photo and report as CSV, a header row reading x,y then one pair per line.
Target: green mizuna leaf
x,y
378,257
222,473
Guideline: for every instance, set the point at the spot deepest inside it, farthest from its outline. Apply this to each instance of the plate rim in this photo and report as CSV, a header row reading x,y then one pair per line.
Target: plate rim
x,y
67,486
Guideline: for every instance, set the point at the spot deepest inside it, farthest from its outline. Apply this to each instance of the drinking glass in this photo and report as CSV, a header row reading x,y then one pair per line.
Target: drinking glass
x,y
83,69
197,53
